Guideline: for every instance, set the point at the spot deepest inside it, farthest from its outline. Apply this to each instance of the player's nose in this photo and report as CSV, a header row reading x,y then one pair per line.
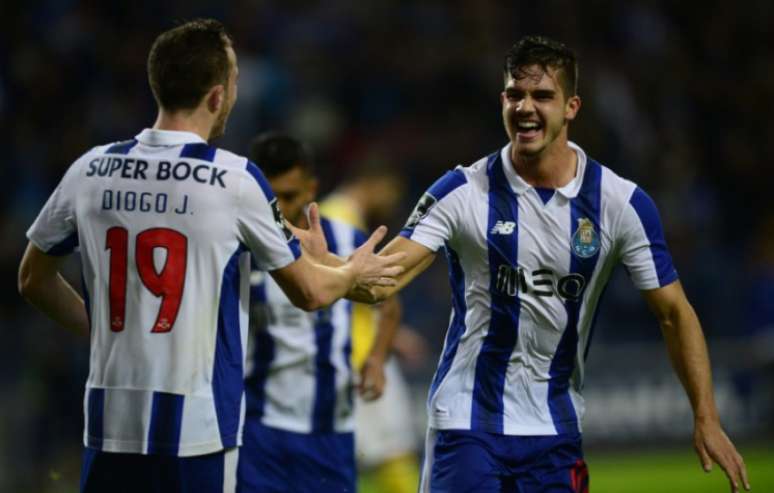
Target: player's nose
x,y
525,105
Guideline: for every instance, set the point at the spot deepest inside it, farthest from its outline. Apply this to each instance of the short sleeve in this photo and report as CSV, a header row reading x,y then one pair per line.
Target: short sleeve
x,y
262,226
643,248
55,230
436,215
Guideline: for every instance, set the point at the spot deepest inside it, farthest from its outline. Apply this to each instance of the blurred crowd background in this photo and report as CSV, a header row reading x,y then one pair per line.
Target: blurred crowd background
x,y
675,96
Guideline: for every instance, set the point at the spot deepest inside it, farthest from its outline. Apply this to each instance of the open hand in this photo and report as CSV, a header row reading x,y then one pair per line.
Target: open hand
x,y
373,270
713,445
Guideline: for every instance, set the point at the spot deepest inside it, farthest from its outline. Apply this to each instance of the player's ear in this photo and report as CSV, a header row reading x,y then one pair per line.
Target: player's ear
x,y
216,98
571,107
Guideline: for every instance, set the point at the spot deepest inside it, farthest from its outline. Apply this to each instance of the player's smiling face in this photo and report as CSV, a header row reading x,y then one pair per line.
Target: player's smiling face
x,y
536,110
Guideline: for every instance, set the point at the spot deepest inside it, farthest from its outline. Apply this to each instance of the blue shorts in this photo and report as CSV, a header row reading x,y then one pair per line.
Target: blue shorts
x,y
278,461
462,461
131,473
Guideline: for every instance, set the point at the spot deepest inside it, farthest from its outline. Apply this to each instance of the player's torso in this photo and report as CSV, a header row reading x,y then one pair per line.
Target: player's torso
x,y
530,268
299,375
157,235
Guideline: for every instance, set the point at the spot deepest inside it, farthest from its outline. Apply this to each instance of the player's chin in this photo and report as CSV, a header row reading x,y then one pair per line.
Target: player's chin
x,y
528,149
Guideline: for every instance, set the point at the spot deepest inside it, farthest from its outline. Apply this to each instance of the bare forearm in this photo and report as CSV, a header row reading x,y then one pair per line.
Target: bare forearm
x,y
688,352
331,283
380,293
60,302
389,321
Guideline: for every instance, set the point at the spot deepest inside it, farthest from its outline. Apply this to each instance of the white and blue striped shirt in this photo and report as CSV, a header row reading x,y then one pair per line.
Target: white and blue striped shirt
x,y
527,268
165,224
299,375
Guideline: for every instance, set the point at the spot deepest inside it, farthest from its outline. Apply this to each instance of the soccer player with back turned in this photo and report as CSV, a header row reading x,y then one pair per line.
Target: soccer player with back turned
x,y
531,234
165,224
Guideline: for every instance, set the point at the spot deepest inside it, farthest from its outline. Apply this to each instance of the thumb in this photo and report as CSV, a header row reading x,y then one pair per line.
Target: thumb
x,y
314,217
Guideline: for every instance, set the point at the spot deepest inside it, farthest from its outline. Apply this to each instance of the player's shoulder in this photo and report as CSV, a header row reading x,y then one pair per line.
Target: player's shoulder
x,y
615,189
460,180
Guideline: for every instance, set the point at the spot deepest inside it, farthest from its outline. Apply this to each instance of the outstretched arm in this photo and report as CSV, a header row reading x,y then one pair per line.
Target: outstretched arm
x,y
688,352
41,284
311,285
416,259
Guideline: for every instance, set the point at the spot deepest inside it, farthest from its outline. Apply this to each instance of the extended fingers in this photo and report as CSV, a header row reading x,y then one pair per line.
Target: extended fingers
x,y
314,217
704,457
728,463
377,236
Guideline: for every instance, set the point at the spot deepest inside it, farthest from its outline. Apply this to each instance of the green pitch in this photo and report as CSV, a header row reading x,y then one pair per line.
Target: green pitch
x,y
673,472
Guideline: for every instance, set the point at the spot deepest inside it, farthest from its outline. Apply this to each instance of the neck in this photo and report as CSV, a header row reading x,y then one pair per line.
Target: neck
x,y
555,167
182,121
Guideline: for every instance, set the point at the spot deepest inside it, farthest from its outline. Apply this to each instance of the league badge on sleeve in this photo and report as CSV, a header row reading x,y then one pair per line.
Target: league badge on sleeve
x,y
421,210
585,241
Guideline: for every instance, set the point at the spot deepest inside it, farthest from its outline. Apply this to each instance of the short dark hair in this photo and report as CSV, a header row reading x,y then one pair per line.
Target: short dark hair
x,y
277,153
546,53
186,62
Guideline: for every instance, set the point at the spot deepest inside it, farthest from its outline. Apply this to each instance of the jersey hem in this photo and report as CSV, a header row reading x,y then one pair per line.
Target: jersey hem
x,y
306,429
141,447
508,429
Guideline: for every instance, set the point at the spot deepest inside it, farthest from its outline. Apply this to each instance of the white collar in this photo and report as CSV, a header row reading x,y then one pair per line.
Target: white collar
x,y
156,137
519,186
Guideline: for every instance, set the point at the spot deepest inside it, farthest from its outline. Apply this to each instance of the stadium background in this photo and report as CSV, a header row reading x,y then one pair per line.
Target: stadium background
x,y
676,97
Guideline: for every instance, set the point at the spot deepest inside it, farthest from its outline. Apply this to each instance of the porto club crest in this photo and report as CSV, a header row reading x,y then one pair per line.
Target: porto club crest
x,y
585,241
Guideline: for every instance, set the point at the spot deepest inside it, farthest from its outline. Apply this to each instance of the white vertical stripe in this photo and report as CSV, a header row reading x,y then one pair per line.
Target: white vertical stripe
x,y
230,463
427,465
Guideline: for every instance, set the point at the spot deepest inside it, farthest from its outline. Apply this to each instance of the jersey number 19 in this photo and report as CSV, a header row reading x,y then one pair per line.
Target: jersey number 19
x,y
167,283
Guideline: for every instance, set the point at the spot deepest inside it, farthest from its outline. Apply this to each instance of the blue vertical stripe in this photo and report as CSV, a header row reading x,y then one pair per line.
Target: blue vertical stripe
x,y
227,373
325,372
255,384
86,299
492,363
586,205
165,423
96,410
199,150
121,147
457,325
347,350
651,222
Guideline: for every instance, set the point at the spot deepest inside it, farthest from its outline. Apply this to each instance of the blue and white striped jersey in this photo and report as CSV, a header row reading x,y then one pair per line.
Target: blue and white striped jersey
x,y
299,376
527,268
165,224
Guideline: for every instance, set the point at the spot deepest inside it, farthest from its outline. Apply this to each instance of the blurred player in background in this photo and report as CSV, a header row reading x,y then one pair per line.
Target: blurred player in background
x,y
299,429
532,233
165,223
385,439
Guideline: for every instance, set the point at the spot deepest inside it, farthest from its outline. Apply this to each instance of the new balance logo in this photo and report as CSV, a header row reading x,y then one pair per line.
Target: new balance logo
x,y
503,228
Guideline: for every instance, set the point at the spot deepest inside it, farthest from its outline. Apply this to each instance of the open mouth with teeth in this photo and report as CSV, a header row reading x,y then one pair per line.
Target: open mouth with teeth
x,y
528,130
